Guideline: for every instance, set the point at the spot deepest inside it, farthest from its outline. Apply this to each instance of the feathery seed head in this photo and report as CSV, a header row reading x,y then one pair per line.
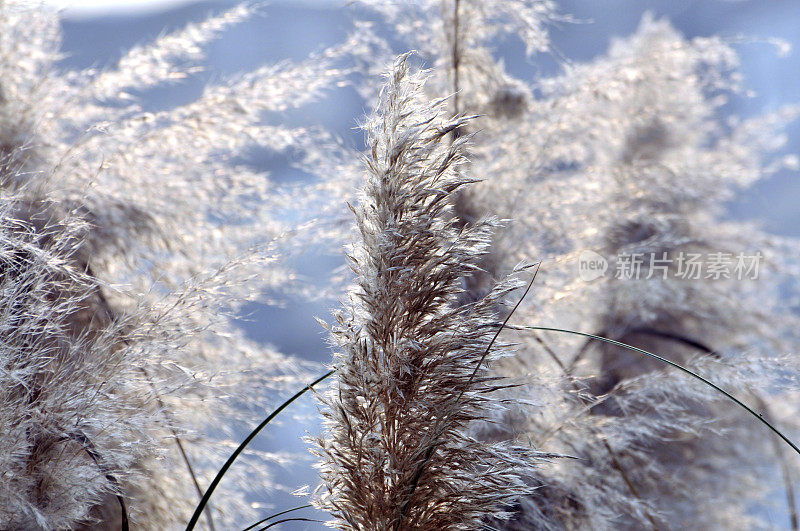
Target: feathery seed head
x,y
411,378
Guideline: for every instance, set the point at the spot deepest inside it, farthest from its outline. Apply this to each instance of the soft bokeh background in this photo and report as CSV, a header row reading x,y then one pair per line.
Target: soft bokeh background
x,y
97,32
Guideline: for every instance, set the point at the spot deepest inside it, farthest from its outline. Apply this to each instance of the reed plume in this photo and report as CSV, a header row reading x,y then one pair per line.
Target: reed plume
x,y
121,358
412,376
623,154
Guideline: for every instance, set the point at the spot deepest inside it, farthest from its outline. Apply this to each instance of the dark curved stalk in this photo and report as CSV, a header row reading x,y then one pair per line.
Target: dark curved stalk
x,y
207,495
248,528
794,520
688,341
680,338
290,520
90,449
681,368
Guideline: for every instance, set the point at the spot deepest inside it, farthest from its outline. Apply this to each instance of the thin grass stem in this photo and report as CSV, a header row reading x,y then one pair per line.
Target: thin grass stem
x,y
207,495
717,388
290,520
276,515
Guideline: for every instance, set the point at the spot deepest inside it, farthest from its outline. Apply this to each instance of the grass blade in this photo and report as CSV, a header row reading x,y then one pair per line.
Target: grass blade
x,y
275,515
207,495
290,520
738,402
90,449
